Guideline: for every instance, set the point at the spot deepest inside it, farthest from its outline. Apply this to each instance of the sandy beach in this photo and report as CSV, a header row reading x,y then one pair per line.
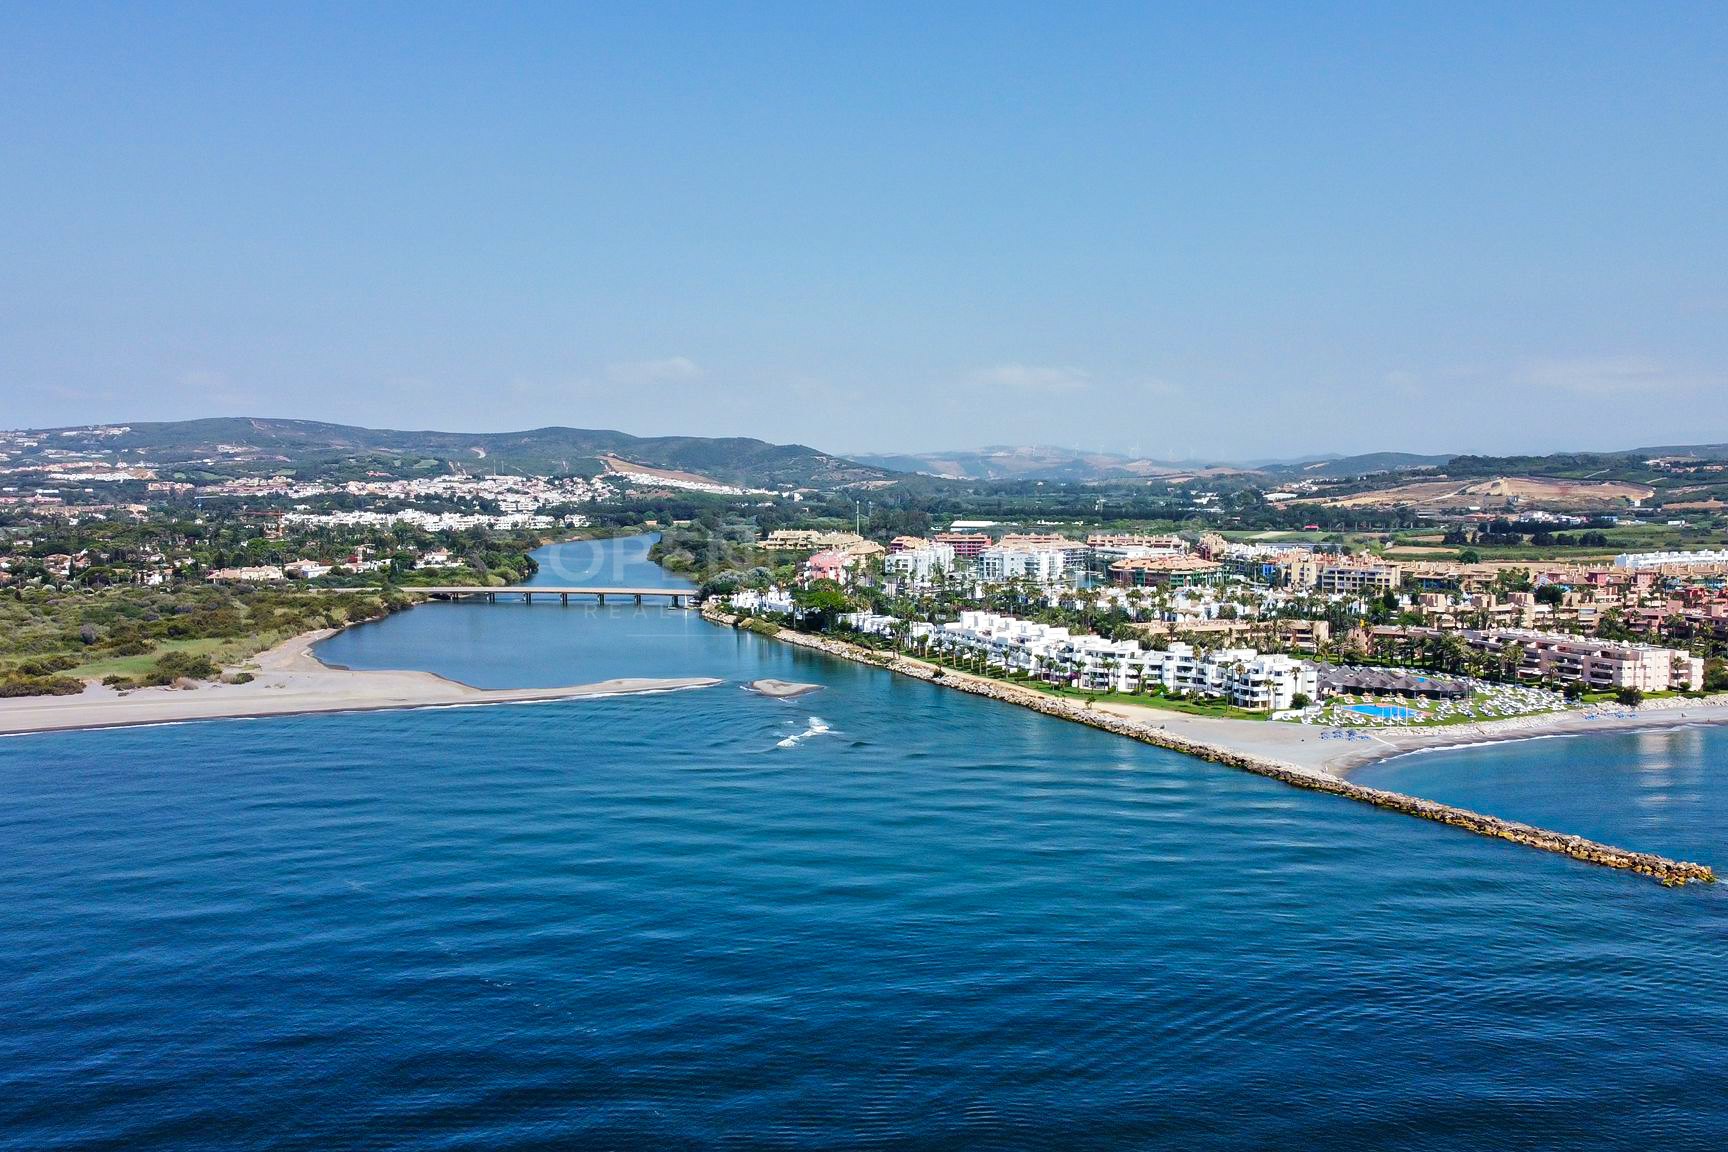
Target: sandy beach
x,y
1302,744
289,680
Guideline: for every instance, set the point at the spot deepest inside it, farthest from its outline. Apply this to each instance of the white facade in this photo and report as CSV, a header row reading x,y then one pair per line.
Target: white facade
x,y
1670,559
1242,676
1041,564
870,623
926,565
773,600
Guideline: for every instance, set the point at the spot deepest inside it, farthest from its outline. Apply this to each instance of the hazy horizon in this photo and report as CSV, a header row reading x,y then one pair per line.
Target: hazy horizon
x,y
1316,453
1181,234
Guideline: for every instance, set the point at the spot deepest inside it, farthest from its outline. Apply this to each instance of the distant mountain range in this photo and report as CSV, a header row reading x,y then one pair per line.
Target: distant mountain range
x,y
242,445
247,444
1050,463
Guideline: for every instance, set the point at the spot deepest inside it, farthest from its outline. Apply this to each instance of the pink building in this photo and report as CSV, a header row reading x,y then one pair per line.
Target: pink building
x,y
829,565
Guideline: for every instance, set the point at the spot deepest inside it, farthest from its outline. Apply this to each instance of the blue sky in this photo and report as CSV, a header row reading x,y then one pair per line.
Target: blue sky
x,y
1211,230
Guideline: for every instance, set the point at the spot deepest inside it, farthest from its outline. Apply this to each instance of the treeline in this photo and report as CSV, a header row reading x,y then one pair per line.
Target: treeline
x,y
1512,534
1558,464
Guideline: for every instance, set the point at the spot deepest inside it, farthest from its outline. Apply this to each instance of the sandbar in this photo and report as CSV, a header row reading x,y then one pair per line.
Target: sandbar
x,y
782,689
290,680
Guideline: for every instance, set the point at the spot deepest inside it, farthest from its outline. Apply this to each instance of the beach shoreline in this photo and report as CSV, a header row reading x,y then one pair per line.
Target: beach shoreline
x,y
1303,744
1278,751
290,680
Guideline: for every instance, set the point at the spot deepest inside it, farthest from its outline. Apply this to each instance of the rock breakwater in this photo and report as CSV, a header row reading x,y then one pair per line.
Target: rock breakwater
x,y
1660,868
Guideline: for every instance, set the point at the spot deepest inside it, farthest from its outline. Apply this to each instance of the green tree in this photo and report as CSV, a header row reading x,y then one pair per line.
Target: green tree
x,y
820,602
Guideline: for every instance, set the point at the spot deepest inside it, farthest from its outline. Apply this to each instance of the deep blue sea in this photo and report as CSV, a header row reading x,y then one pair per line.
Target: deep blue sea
x,y
882,916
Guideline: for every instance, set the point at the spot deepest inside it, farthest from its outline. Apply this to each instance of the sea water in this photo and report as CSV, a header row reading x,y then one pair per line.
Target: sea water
x,y
882,915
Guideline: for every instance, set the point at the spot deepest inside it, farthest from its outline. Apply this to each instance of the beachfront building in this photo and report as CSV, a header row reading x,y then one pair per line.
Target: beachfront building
x,y
1243,677
1165,571
1599,665
1041,651
1240,676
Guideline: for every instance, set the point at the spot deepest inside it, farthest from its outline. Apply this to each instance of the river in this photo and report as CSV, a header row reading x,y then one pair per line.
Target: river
x,y
885,915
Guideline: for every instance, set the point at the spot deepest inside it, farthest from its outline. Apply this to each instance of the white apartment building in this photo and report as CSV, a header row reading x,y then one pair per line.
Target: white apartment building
x,y
1708,559
1040,563
929,563
1242,676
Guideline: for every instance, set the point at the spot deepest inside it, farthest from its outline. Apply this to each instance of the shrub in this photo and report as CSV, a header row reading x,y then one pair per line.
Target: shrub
x,y
115,680
40,686
1630,697
172,666
47,665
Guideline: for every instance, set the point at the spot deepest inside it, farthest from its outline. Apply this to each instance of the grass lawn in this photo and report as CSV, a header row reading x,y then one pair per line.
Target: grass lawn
x,y
228,650
1162,703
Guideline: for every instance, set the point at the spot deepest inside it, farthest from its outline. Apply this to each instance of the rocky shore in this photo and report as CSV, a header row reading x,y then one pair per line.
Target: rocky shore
x,y
1670,872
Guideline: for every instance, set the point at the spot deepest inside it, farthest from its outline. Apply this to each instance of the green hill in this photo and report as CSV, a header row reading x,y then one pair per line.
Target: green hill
x,y
247,445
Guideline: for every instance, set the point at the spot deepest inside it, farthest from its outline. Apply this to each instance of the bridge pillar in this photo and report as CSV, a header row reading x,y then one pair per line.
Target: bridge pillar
x,y
601,596
564,598
527,597
638,597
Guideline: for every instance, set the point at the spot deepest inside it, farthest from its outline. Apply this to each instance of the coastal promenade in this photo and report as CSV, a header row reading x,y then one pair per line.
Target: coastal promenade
x,y
1667,871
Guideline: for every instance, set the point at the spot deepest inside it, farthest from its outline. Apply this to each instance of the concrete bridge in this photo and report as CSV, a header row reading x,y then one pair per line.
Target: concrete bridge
x,y
676,597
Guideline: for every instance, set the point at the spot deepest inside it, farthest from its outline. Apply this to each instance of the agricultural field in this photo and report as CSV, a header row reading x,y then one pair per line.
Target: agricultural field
x,y
1502,492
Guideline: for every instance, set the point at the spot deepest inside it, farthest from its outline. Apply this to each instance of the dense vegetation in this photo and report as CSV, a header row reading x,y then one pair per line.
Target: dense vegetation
x,y
50,637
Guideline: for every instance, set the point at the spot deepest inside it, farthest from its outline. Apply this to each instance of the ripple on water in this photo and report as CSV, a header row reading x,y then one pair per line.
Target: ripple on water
x,y
637,922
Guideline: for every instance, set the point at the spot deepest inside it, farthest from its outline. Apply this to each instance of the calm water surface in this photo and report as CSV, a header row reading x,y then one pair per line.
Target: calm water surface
x,y
881,916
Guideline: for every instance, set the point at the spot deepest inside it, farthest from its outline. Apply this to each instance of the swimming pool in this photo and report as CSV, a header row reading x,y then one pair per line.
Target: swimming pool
x,y
1386,711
